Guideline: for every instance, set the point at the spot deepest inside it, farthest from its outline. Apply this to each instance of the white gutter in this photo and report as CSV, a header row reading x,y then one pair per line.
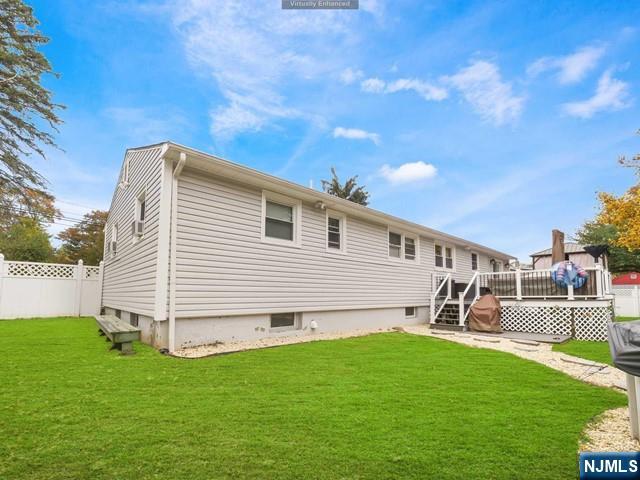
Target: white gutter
x,y
177,171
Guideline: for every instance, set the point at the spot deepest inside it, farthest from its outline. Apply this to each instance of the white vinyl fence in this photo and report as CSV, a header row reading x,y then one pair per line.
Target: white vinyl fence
x,y
627,300
29,289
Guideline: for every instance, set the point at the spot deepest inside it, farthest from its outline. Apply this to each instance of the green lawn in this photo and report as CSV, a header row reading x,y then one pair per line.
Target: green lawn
x,y
384,406
596,351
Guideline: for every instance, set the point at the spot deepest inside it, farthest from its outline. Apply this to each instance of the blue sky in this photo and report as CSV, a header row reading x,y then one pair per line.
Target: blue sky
x,y
494,121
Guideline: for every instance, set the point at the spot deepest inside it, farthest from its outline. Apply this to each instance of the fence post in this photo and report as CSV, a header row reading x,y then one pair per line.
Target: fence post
x,y
636,299
1,282
79,278
100,283
518,284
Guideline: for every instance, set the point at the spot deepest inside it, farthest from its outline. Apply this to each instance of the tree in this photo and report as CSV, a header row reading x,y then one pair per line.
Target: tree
x,y
85,240
621,260
623,212
25,202
25,105
26,240
349,191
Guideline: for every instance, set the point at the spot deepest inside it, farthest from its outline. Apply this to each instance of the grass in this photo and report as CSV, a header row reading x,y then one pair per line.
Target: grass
x,y
384,406
596,351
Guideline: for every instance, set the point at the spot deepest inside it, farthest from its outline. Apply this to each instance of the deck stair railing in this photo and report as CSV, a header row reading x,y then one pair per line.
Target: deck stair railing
x,y
467,298
440,296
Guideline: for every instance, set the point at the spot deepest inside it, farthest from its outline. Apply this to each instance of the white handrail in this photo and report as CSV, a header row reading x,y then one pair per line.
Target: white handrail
x,y
434,314
463,295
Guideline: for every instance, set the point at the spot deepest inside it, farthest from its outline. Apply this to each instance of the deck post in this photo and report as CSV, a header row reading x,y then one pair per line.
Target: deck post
x,y
599,282
518,284
478,287
461,309
570,293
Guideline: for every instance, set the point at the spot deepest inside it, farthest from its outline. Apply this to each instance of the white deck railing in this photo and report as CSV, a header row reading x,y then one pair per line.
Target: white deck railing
x,y
440,297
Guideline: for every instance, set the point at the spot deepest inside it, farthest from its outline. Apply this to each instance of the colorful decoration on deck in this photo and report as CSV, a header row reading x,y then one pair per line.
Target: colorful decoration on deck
x,y
568,273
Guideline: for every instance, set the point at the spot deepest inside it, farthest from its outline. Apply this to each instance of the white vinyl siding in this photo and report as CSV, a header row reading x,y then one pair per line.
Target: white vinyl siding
x,y
129,277
223,267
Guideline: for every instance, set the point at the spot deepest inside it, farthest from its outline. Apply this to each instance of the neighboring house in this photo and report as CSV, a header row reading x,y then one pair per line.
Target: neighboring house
x,y
631,278
200,250
572,251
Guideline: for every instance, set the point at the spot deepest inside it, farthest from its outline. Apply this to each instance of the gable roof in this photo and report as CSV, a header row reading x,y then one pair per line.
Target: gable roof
x,y
249,176
569,247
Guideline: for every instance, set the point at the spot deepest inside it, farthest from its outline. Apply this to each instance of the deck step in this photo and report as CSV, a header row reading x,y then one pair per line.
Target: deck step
x,y
447,326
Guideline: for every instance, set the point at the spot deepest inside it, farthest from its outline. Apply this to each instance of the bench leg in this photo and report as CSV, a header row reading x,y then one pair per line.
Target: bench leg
x,y
126,348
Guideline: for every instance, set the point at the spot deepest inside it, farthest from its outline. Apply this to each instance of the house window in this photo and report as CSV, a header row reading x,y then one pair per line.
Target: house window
x,y
133,319
474,261
336,228
283,320
118,313
443,256
141,207
395,245
496,266
124,178
409,248
410,312
278,222
448,257
113,244
281,219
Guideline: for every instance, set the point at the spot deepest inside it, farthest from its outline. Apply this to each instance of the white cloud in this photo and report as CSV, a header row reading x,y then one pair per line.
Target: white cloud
x,y
426,90
255,52
570,68
482,86
409,172
349,76
372,85
356,134
611,94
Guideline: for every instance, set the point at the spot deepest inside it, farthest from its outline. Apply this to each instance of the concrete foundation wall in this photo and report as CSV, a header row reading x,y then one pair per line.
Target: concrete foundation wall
x,y
203,331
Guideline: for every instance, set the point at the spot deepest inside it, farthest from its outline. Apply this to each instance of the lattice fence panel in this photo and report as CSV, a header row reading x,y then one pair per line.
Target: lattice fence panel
x,y
40,270
548,320
91,273
591,322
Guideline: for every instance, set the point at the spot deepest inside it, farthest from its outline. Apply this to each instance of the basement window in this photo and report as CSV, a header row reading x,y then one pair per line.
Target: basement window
x,y
133,319
410,312
284,321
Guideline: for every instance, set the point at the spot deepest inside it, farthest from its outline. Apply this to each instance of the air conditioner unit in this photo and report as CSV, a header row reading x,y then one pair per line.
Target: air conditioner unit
x,y
113,244
137,228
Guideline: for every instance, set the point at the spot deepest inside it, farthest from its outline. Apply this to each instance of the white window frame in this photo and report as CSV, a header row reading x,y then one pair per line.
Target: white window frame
x,y
343,231
471,254
297,322
403,235
141,197
297,218
444,247
124,178
415,312
500,265
114,238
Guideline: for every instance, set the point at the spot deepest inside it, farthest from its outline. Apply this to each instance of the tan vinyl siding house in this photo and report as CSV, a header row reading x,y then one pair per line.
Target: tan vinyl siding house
x,y
238,254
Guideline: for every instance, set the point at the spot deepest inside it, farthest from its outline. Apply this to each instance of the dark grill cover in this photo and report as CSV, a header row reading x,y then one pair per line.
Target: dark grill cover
x,y
624,342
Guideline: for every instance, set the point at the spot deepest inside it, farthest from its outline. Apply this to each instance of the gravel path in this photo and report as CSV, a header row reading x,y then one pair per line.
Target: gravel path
x,y
610,432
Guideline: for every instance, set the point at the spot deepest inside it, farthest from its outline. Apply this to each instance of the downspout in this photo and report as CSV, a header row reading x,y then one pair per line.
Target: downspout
x,y
177,171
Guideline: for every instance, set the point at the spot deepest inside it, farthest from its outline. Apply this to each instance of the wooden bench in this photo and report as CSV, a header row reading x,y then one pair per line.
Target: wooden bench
x,y
119,332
